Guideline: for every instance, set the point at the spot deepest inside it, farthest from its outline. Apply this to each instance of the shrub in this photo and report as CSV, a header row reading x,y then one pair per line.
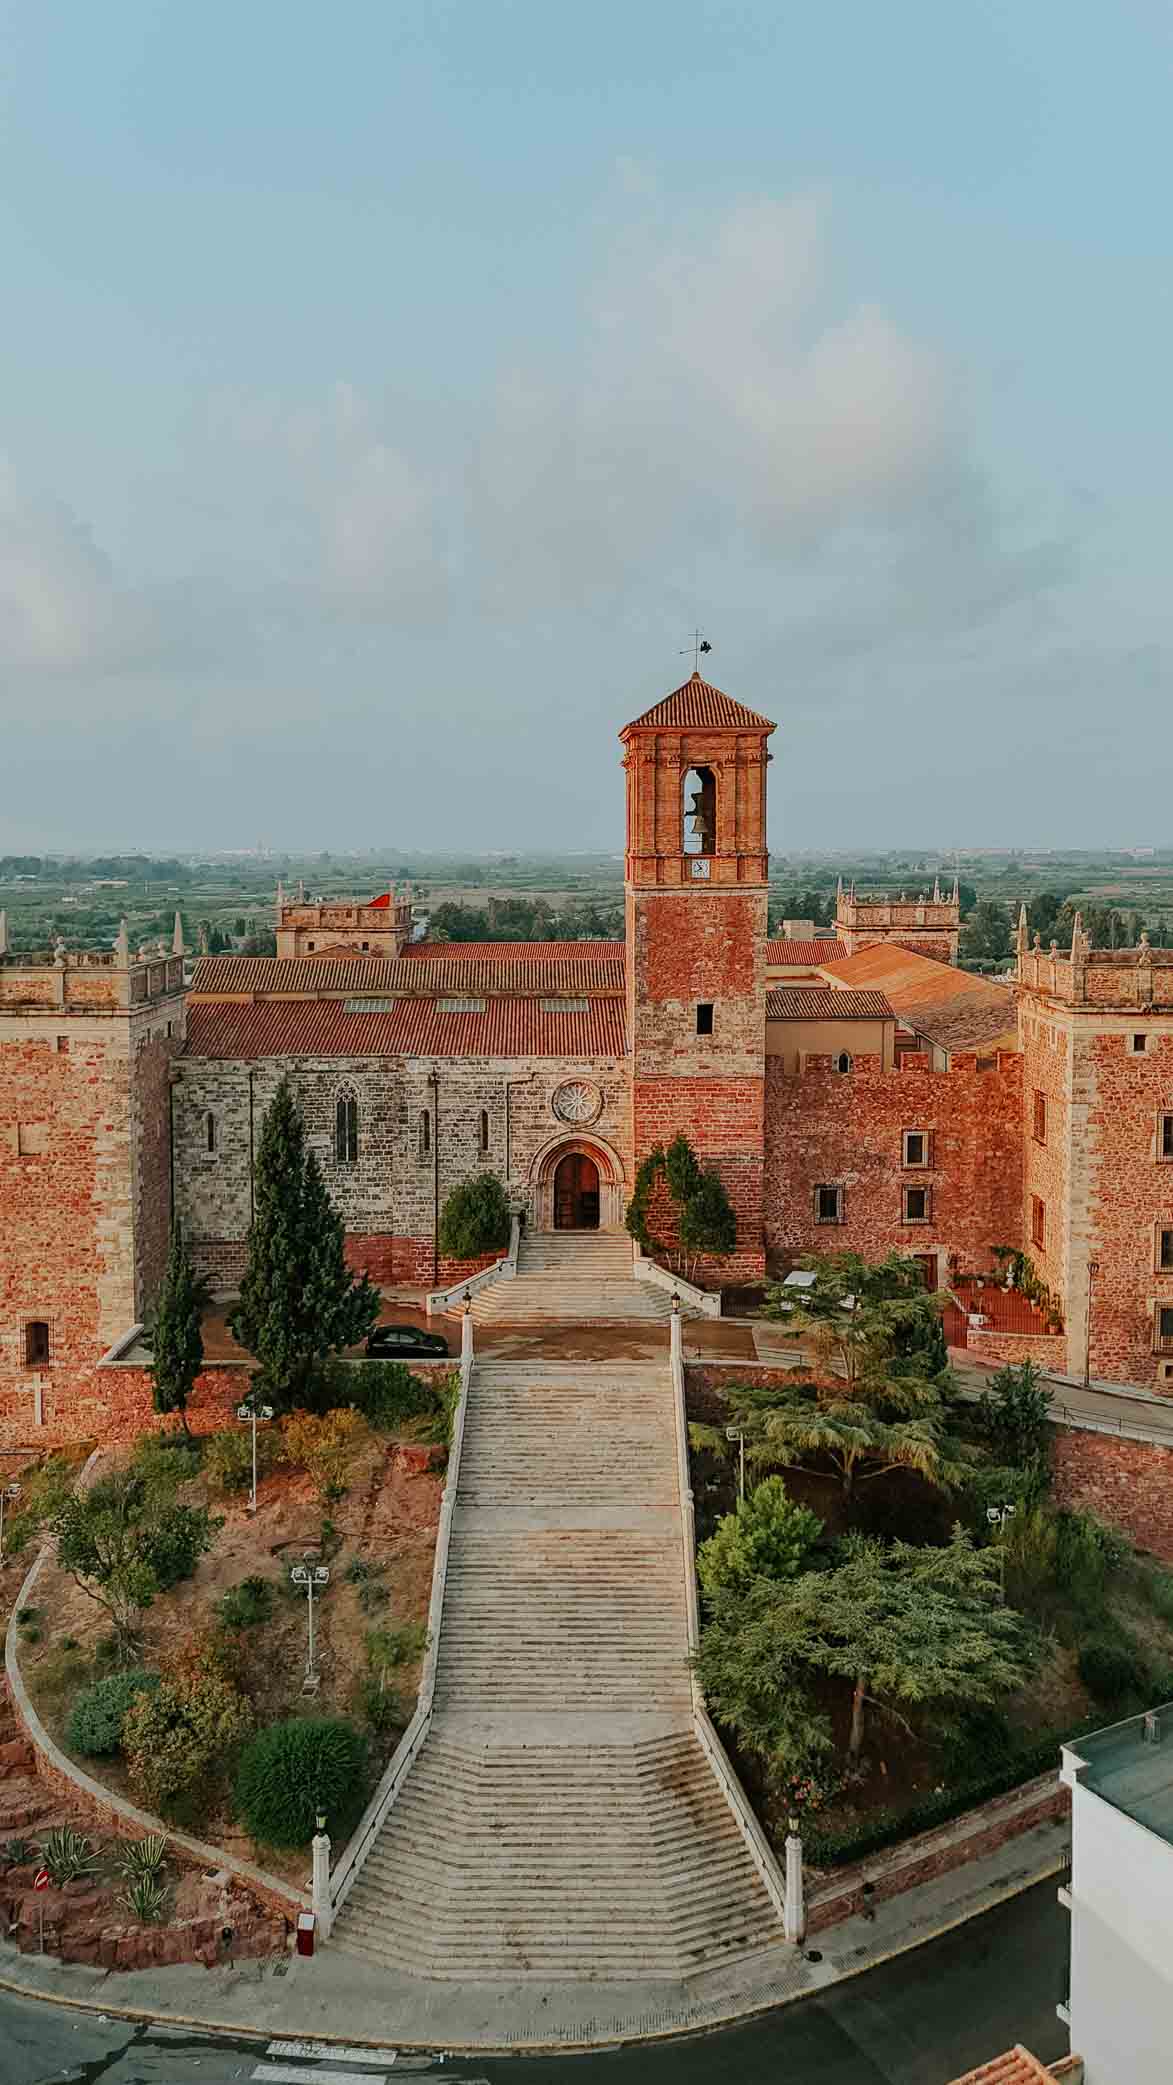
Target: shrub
x,y
294,1771
67,1854
390,1648
228,1457
1112,1671
475,1218
442,1418
1087,1552
165,1461
1012,1417
325,1447
246,1605
387,1393
177,1740
176,1539
97,1716
18,1853
768,1536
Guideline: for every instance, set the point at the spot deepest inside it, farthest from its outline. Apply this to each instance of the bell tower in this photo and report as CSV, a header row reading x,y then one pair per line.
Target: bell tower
x,y
695,879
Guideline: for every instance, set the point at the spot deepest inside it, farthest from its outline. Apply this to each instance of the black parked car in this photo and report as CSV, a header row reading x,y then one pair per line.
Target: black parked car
x,y
405,1343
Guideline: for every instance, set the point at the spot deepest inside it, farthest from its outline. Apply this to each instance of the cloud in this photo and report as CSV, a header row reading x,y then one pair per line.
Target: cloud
x,y
61,604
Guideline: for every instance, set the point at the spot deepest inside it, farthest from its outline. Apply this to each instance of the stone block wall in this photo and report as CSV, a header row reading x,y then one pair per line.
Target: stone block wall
x,y
826,1128
1127,1482
1130,1193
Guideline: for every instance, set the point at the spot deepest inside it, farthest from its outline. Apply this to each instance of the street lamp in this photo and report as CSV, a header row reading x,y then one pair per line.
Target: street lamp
x,y
310,1576
735,1433
998,1516
11,1492
249,1411
1093,1268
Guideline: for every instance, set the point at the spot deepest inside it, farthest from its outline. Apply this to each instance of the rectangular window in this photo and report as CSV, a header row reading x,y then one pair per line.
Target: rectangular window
x,y
1038,1222
460,1006
829,1205
425,1133
1040,1118
1138,1045
36,1344
1164,1327
31,1139
917,1205
704,1018
566,1006
1165,1136
917,1147
1165,1250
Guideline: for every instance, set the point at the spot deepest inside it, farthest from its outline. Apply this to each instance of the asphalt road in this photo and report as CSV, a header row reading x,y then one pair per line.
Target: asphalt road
x,y
917,2021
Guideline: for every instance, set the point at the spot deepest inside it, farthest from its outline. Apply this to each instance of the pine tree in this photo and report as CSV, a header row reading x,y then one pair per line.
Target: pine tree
x,y
298,1300
177,1344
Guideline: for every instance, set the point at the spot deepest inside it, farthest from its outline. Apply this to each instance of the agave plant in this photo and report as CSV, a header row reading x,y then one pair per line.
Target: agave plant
x,y
67,1854
146,1899
19,1852
143,1858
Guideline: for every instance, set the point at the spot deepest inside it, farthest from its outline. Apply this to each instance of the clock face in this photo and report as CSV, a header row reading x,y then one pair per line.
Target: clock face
x,y
700,868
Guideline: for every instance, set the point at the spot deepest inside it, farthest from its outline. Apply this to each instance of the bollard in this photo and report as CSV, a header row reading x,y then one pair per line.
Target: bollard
x,y
794,1924
323,1909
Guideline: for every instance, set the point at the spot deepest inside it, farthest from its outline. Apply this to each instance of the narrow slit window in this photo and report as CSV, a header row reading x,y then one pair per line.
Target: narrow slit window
x,y
346,1129
36,1343
484,1130
210,1133
704,1018
828,1204
425,1133
1165,1136
1040,1118
1038,1222
1139,1045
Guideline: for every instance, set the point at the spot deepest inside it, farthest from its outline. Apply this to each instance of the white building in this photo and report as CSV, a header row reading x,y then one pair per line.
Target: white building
x,y
1120,2008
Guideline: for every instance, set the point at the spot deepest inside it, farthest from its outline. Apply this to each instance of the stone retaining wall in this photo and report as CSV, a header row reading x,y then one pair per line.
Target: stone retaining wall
x,y
849,1891
1127,1482
996,1349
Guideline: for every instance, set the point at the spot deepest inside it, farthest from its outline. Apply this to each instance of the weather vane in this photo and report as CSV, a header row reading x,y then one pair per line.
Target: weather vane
x,y
697,647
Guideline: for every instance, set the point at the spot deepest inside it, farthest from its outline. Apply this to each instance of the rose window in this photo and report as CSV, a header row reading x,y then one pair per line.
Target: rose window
x,y
577,1101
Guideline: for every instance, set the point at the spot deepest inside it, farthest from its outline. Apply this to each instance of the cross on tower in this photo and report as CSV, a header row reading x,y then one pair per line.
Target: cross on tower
x,y
699,644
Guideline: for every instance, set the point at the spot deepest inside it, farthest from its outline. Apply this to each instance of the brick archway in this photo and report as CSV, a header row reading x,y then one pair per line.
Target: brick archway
x,y
612,1185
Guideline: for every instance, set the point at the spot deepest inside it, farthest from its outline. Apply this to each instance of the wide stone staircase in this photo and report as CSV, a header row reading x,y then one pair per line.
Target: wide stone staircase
x,y
562,1820
571,1276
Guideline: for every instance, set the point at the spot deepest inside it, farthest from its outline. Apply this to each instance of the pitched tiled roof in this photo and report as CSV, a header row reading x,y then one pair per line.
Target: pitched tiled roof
x,y
951,1007
824,1003
412,1028
1016,2067
698,707
224,976
514,951
803,955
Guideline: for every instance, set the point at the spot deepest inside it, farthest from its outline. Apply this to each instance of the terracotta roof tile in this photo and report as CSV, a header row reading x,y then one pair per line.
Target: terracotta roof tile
x,y
412,1028
824,1003
223,976
698,707
803,955
514,951
950,1006
1016,2067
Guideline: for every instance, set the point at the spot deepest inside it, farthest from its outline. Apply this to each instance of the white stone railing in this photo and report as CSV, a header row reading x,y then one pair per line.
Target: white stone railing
x,y
701,1302
442,1300
759,1848
374,1816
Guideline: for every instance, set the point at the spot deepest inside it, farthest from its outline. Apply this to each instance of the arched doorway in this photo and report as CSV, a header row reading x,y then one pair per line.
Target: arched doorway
x,y
576,1193
547,1177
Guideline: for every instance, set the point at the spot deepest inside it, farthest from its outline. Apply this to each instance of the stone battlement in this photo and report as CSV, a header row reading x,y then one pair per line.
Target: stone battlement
x,y
1124,978
86,980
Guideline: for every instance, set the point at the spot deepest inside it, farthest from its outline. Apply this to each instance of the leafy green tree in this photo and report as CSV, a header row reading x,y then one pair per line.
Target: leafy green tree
x,y
704,1216
475,1218
177,1346
769,1536
1013,1416
125,1540
708,1224
299,1302
986,934
752,1670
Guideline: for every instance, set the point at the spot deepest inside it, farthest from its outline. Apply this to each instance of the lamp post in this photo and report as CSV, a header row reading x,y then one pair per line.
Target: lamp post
x,y
11,1492
1093,1268
735,1433
310,1575
999,1515
249,1411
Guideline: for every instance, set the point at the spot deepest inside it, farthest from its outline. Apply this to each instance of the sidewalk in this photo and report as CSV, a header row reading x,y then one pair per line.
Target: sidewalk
x,y
343,1998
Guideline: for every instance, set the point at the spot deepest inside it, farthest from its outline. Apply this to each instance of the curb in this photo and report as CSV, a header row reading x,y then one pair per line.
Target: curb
x,y
234,2031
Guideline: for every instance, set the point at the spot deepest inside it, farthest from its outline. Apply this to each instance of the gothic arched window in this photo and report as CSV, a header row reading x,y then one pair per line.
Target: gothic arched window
x,y
346,1129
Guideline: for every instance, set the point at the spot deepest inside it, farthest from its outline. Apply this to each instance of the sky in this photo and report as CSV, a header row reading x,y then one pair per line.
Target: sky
x,y
388,390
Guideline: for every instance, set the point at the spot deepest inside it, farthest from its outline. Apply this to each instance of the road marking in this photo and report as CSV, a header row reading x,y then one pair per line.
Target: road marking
x,y
333,2052
300,2074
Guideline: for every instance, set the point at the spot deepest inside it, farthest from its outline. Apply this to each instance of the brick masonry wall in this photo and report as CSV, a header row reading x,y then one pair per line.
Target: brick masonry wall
x,y
1048,1350
1130,1192
1047,1069
846,1129
87,1403
1127,1482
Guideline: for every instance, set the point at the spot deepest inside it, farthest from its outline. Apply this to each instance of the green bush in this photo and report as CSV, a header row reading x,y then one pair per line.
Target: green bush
x,y
294,1771
246,1605
177,1740
165,1460
1112,1671
175,1540
768,1536
1087,1552
96,1719
67,1854
387,1393
228,1457
475,1218
1012,1417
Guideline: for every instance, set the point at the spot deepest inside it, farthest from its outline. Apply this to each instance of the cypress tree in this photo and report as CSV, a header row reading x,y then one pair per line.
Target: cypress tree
x,y
177,1344
298,1299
